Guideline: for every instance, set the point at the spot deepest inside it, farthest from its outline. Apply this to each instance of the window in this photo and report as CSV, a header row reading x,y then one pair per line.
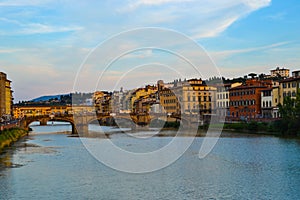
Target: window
x,y
284,85
294,84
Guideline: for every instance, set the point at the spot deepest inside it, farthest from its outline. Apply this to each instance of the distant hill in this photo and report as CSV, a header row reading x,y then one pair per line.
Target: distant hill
x,y
46,98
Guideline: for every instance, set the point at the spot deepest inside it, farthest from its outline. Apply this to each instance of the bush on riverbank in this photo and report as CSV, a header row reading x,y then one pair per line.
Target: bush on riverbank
x,y
7,137
289,125
250,127
172,125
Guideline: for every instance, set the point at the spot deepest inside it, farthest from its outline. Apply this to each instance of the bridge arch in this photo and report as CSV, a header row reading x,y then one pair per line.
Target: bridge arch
x,y
44,119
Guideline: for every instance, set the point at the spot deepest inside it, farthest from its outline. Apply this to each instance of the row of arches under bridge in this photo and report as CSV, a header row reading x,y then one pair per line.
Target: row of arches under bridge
x,y
121,121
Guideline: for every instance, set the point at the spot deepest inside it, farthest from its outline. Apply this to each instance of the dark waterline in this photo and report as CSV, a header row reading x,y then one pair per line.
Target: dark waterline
x,y
54,166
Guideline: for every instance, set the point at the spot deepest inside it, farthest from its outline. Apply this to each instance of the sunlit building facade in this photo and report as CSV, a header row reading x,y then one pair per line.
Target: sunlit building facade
x,y
6,98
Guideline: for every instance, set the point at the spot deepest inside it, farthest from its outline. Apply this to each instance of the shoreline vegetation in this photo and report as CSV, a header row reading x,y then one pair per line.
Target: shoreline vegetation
x,y
9,136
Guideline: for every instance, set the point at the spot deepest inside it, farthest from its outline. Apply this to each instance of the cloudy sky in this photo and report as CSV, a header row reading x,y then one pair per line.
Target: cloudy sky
x,y
45,44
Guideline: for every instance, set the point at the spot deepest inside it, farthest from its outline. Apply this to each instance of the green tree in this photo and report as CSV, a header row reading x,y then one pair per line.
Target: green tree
x,y
290,114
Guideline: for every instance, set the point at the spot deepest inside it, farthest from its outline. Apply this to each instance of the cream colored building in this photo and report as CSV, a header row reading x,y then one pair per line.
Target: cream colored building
x,y
222,98
285,73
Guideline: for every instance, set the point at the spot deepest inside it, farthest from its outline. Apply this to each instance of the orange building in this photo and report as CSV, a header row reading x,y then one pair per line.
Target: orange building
x,y
245,100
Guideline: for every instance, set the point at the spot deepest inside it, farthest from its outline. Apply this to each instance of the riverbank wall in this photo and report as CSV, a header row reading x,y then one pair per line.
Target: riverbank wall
x,y
9,136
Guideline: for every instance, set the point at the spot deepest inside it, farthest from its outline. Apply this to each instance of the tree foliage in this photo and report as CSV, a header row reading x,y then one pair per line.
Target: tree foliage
x,y
290,114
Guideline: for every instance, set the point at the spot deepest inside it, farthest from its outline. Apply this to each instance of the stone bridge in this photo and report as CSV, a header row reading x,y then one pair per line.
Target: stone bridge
x,y
80,122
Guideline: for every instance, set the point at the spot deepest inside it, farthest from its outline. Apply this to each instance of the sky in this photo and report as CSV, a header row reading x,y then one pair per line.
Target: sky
x,y
59,46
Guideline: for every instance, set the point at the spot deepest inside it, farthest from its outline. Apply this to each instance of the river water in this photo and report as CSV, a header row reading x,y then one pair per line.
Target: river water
x,y
48,165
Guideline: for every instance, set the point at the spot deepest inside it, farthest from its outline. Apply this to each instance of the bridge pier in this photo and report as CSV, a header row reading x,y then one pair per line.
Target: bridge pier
x,y
43,122
143,119
80,129
74,131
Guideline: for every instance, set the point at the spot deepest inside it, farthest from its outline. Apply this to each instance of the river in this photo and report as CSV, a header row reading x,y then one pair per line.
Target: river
x,y
48,165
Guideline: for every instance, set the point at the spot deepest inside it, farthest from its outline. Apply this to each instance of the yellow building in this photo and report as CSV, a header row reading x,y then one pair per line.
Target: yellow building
x,y
169,101
102,102
143,104
5,95
141,92
275,101
189,97
33,111
289,87
8,98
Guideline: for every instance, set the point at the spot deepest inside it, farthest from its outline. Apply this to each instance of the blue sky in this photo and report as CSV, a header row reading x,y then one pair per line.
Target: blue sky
x,y
44,42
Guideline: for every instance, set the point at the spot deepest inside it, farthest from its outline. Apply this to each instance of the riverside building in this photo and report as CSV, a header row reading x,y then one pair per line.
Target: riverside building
x,y
245,100
6,97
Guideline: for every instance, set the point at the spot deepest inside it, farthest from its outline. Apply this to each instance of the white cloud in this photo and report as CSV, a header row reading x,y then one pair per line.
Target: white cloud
x,y
256,4
224,54
136,4
210,31
36,28
200,19
19,28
